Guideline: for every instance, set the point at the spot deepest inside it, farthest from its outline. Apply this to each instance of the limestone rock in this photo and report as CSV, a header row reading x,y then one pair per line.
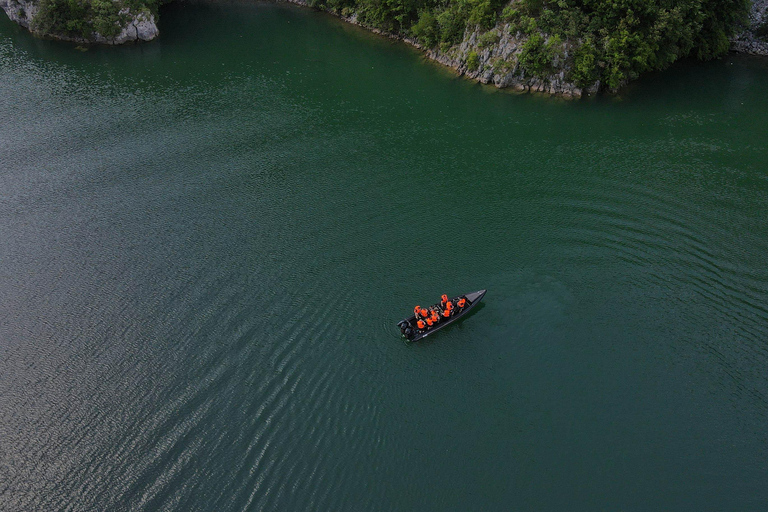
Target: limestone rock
x,y
746,41
20,11
141,26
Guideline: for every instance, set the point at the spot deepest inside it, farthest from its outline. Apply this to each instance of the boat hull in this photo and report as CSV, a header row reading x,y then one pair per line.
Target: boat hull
x,y
473,299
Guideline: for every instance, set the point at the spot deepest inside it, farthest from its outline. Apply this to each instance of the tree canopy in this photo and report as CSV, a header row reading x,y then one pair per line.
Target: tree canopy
x,y
611,41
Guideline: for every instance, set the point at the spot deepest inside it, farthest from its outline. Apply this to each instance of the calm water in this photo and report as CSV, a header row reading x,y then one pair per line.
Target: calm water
x,y
205,243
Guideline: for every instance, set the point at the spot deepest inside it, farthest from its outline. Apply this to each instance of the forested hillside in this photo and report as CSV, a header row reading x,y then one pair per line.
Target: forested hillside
x,y
81,18
609,42
559,46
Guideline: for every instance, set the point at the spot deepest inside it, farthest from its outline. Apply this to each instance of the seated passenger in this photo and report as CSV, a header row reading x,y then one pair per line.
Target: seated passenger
x,y
462,302
443,300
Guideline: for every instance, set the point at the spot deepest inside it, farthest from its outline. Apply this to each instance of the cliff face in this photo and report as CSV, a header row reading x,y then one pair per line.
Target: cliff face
x,y
753,39
140,27
493,57
132,27
20,11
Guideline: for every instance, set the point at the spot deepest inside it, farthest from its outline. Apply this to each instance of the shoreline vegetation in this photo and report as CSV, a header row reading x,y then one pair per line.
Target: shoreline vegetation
x,y
87,21
561,47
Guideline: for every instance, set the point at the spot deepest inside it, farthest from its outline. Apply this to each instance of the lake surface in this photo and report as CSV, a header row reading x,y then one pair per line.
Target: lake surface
x,y
206,242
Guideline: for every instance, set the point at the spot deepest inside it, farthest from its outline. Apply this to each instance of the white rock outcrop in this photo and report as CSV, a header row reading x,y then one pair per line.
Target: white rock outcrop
x,y
20,11
746,41
140,26
497,64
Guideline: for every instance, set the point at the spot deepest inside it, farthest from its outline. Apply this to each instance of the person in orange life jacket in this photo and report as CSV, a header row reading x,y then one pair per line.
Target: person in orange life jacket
x,y
435,317
462,302
430,322
448,311
421,325
443,301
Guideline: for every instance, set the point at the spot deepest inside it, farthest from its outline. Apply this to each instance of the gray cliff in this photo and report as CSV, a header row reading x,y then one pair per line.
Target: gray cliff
x,y
139,26
20,11
748,41
497,63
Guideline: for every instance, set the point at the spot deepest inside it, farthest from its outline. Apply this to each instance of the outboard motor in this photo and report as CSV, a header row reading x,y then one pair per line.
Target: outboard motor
x,y
403,325
408,332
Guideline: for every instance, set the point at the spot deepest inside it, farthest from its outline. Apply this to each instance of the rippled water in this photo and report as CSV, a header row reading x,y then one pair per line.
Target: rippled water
x,y
206,241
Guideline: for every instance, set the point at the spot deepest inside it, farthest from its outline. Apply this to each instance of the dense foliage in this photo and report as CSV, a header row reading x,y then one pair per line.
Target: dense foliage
x,y
80,18
431,21
605,41
611,41
614,41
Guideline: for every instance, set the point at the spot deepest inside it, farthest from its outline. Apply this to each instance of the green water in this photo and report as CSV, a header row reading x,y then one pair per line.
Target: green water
x,y
206,242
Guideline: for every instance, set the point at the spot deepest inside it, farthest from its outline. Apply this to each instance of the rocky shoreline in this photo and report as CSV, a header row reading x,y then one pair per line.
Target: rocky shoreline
x,y
748,41
492,62
490,57
492,65
137,26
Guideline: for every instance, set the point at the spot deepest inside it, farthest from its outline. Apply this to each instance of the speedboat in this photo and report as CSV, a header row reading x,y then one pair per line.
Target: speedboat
x,y
410,330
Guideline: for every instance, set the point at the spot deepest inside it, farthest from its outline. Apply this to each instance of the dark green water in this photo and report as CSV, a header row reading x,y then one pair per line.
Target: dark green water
x,y
206,241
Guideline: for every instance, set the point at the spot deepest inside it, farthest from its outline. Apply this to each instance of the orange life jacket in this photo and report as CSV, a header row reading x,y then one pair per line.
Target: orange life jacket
x,y
430,321
462,302
435,317
421,324
416,310
447,313
449,305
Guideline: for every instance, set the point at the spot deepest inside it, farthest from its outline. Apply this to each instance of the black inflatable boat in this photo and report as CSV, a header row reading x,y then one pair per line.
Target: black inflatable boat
x,y
410,330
